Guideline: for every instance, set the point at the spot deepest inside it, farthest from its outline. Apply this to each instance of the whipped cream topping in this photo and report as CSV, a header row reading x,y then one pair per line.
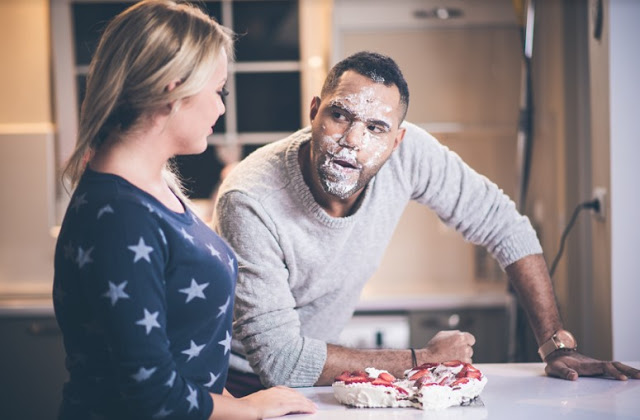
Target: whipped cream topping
x,y
433,386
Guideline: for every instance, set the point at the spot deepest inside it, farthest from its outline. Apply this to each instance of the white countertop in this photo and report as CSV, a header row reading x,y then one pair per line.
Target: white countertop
x,y
435,301
513,391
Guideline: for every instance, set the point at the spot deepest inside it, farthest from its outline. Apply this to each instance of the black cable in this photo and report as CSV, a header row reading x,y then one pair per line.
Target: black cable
x,y
591,204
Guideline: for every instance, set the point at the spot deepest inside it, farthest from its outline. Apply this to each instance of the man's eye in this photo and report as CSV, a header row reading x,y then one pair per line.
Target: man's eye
x,y
375,129
338,116
223,92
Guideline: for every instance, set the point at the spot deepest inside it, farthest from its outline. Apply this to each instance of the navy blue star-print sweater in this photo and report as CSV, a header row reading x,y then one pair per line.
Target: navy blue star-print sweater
x,y
144,298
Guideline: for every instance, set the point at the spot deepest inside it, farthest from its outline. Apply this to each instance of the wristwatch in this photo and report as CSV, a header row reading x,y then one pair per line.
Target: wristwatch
x,y
561,339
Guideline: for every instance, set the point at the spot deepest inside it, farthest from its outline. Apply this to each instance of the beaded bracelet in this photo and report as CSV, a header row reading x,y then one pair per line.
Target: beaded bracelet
x,y
414,360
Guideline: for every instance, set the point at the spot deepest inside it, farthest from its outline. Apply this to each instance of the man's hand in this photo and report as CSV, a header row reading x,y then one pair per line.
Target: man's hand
x,y
448,345
568,364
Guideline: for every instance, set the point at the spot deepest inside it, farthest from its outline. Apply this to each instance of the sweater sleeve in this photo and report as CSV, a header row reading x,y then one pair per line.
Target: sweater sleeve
x,y
122,262
265,317
465,200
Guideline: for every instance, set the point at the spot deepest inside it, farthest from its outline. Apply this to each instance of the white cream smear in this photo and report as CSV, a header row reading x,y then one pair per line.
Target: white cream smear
x,y
364,107
405,392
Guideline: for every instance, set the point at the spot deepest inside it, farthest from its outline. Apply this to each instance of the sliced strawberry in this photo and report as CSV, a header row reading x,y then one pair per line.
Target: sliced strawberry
x,y
356,379
474,374
427,366
343,376
419,374
469,366
400,389
460,381
358,373
382,382
423,381
453,363
387,376
442,382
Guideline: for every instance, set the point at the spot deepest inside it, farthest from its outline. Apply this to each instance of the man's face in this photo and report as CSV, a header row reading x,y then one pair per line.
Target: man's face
x,y
354,130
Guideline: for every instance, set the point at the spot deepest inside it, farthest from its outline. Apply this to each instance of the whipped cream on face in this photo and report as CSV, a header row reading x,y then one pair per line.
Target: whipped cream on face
x,y
431,386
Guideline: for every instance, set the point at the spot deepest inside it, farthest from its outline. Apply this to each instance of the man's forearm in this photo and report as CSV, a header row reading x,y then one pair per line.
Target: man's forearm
x,y
530,278
444,346
340,359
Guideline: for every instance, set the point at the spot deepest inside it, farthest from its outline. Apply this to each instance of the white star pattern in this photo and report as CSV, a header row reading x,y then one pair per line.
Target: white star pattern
x,y
231,264
172,378
194,291
105,209
141,250
143,374
149,321
192,398
212,380
186,235
116,291
84,257
69,251
214,251
164,238
193,351
223,308
150,207
162,413
226,343
195,218
79,201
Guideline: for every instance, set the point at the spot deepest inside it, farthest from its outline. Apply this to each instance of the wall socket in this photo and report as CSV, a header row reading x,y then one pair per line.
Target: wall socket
x,y
600,194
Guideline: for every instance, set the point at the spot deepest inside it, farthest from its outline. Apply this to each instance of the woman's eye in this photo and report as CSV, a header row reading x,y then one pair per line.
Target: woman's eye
x,y
223,92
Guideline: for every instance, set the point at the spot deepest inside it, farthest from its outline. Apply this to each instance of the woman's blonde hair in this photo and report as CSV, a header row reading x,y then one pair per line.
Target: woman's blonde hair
x,y
143,50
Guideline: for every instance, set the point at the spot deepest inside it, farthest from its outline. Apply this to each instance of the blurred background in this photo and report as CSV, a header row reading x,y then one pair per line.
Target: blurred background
x,y
539,96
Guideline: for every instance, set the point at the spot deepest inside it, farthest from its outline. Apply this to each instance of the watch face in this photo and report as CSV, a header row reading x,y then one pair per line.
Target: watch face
x,y
564,339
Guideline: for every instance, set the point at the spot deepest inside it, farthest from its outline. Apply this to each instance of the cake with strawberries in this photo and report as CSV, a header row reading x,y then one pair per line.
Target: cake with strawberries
x,y
431,386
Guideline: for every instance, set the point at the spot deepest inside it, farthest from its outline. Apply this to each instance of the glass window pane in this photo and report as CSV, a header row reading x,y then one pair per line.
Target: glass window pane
x,y
200,173
81,84
268,30
268,101
90,20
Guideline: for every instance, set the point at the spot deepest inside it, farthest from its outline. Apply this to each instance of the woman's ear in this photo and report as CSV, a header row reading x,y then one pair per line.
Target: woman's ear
x,y
174,84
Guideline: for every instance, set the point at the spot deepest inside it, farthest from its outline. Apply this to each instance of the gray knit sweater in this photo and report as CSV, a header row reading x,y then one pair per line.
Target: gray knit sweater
x,y
301,271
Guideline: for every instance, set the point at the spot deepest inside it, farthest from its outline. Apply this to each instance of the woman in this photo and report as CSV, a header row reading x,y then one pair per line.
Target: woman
x,y
143,290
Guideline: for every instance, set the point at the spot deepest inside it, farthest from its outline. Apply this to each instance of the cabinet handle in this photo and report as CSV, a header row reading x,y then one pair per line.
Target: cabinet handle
x,y
450,322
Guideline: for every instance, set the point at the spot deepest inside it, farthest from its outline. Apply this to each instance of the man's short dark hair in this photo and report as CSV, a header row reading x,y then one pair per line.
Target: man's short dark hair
x,y
377,67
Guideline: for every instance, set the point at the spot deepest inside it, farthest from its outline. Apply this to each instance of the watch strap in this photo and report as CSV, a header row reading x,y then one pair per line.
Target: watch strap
x,y
552,345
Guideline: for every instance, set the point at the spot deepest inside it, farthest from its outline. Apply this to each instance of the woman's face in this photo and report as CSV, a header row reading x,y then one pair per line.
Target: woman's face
x,y
194,120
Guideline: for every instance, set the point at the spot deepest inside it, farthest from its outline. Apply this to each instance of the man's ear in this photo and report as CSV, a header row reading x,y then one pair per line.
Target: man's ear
x,y
315,106
399,138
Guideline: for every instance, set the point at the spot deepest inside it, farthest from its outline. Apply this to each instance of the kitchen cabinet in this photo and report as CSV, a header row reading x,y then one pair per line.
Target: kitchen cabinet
x,y
490,327
462,62
403,322
31,365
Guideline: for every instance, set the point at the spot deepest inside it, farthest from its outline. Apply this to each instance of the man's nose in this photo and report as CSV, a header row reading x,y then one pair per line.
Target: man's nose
x,y
352,138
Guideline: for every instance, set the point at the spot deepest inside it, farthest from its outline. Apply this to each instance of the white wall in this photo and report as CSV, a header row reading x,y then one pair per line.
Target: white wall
x,y
624,61
26,149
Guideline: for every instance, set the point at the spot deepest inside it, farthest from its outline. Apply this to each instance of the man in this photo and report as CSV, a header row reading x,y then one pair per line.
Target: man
x,y
311,215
